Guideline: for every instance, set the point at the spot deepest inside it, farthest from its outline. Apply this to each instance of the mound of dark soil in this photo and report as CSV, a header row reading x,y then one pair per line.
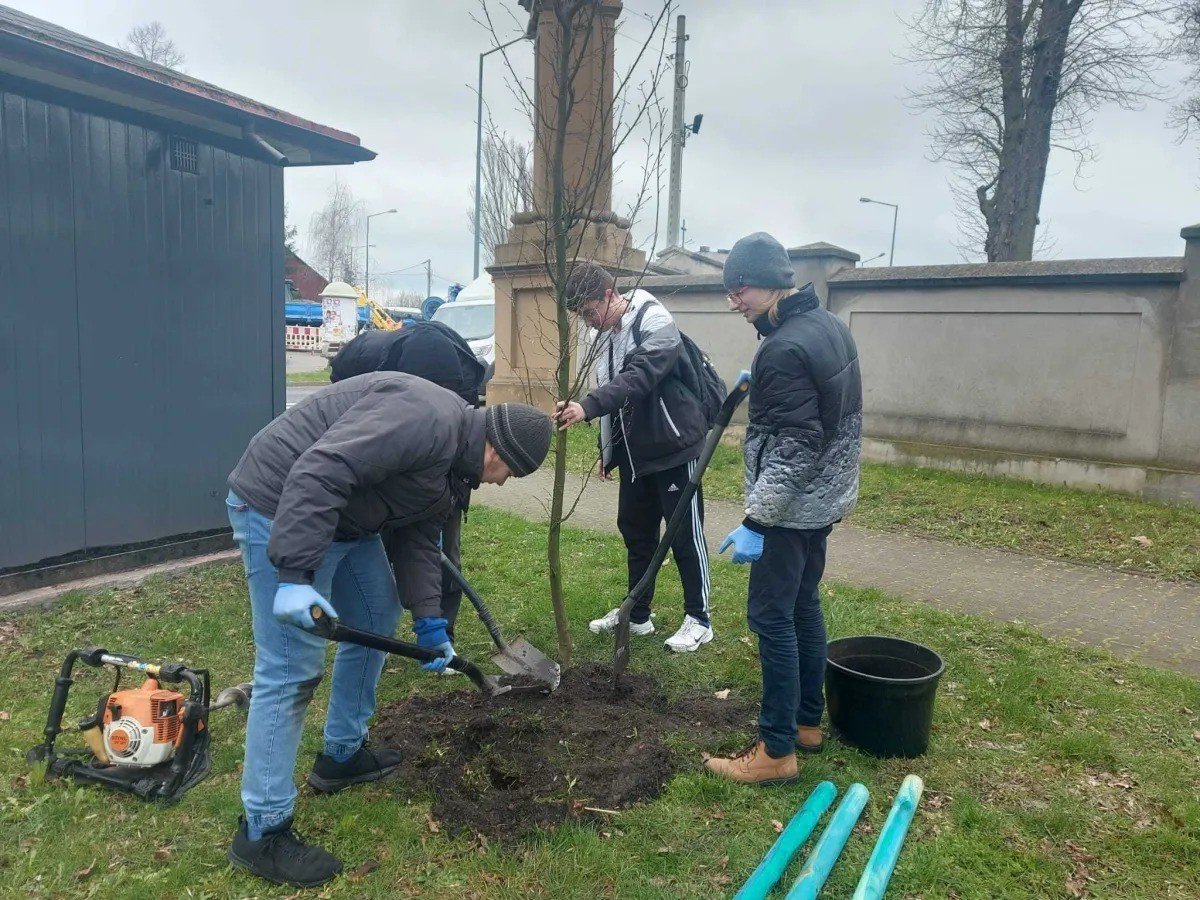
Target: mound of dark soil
x,y
505,766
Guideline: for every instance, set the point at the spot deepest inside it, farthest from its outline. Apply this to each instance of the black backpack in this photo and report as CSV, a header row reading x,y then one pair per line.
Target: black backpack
x,y
694,370
430,350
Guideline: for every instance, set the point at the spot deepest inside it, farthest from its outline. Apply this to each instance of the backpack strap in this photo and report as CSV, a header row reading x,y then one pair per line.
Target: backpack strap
x,y
636,327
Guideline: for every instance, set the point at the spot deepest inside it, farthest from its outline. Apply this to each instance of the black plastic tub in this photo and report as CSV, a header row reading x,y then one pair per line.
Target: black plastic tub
x,y
879,692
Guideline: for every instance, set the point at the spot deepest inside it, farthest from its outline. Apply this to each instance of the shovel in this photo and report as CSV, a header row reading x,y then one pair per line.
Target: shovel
x,y
333,630
517,658
741,387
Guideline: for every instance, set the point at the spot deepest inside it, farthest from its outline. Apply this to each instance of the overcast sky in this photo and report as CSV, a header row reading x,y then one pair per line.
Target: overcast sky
x,y
803,103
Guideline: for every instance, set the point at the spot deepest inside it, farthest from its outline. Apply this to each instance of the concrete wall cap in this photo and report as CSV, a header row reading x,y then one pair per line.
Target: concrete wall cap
x,y
1081,271
820,248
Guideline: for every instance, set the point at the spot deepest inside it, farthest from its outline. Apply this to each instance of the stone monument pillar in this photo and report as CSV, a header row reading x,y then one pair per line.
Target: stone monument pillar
x,y
525,267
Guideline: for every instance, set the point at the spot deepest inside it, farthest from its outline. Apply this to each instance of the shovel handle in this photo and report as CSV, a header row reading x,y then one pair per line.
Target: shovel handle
x,y
485,614
331,629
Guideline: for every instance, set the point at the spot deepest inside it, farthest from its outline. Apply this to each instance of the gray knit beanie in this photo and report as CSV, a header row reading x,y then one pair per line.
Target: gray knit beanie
x,y
520,433
758,260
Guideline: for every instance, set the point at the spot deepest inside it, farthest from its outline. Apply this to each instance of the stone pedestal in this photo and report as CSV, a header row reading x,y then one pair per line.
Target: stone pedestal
x,y
525,270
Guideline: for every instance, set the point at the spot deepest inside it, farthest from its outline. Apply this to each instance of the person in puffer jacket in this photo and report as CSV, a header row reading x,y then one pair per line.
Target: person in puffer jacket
x,y
802,450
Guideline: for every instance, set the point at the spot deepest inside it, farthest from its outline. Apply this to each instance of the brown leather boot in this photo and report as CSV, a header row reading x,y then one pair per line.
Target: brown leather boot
x,y
809,738
755,766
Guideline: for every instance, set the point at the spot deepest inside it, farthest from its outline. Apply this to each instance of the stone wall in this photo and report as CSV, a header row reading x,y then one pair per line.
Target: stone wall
x,y
1083,372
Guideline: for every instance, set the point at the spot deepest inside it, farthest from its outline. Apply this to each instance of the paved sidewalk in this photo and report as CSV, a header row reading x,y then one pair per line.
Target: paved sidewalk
x,y
1144,619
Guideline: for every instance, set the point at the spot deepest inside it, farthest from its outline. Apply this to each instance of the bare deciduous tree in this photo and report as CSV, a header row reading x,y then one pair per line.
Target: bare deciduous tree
x,y
1186,115
150,42
569,201
1012,79
506,187
334,232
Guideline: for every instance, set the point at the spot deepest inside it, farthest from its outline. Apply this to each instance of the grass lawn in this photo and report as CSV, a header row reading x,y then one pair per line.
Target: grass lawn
x,y
1097,527
1054,771
319,377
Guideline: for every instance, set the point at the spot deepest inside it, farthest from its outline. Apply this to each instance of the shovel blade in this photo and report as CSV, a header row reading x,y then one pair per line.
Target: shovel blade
x,y
522,658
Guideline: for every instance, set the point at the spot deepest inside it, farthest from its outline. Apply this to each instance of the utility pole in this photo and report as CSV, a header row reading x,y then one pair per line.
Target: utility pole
x,y
428,278
677,134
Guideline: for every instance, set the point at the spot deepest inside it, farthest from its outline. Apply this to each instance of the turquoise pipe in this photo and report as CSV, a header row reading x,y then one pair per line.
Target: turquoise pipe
x,y
829,846
803,823
879,868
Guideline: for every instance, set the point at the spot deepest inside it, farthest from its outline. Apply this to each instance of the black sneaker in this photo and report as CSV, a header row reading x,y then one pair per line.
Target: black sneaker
x,y
328,775
281,856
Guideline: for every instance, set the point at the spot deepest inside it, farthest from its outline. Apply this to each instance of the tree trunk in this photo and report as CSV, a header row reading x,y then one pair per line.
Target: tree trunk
x,y
1011,212
559,222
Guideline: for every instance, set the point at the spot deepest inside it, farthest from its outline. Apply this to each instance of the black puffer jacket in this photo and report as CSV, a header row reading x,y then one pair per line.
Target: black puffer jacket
x,y
639,391
373,452
805,434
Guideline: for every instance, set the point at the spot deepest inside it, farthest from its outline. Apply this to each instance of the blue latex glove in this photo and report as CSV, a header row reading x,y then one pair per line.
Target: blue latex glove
x,y
431,634
293,601
747,545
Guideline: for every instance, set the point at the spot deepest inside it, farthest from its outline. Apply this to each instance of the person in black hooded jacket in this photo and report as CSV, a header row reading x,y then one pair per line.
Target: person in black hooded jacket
x,y
652,428
802,452
435,352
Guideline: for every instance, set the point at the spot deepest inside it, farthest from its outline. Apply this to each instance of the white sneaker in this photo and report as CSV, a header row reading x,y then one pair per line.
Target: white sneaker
x,y
691,634
608,623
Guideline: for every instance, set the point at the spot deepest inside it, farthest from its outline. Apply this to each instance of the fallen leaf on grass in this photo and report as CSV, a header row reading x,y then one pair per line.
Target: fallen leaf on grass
x,y
433,825
985,724
722,695
163,852
777,825
744,639
936,800
367,867
1142,541
5,715
84,873
1196,735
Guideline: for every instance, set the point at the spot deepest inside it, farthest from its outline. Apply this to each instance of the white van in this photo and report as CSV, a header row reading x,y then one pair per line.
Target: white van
x,y
473,315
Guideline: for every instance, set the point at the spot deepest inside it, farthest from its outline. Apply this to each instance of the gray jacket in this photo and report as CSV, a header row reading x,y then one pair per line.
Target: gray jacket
x,y
805,434
377,451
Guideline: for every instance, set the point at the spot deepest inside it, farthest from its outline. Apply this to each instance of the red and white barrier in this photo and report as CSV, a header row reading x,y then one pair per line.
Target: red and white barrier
x,y
302,337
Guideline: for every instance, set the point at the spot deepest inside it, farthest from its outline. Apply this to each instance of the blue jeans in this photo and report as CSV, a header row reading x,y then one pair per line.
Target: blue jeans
x,y
784,610
288,662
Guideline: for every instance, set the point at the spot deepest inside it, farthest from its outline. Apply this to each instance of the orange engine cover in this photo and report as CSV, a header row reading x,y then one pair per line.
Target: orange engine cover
x,y
142,726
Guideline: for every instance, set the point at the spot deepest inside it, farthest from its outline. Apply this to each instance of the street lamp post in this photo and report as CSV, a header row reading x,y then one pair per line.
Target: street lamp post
x,y
479,143
871,259
895,216
367,276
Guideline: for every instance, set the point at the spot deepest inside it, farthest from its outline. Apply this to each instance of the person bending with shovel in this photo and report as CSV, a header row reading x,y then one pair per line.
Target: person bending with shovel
x,y
802,451
652,428
435,352
307,503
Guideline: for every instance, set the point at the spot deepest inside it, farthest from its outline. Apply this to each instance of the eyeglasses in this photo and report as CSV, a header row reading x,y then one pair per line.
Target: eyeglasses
x,y
734,296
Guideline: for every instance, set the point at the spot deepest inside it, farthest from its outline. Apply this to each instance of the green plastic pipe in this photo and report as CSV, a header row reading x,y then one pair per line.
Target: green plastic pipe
x,y
803,823
829,846
879,868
